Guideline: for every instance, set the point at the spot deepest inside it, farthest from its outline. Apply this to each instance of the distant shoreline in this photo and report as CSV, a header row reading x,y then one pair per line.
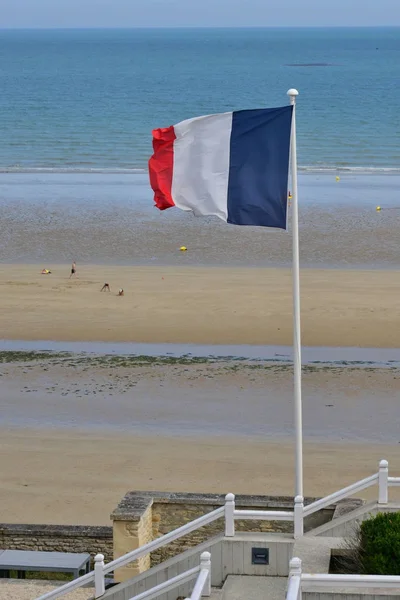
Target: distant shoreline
x,y
141,170
205,28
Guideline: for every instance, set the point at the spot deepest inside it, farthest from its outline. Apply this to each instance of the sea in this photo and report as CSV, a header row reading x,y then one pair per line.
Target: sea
x,y
77,108
88,99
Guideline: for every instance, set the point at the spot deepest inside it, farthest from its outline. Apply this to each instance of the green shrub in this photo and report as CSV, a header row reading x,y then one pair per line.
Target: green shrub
x,y
379,549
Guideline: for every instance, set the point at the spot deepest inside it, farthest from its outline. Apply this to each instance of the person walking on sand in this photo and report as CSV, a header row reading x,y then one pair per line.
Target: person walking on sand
x,y
73,269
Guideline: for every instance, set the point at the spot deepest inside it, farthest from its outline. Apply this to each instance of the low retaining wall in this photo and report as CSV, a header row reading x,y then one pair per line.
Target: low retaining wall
x,y
58,538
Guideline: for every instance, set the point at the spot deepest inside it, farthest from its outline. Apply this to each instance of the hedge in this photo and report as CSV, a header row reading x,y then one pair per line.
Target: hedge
x,y
379,549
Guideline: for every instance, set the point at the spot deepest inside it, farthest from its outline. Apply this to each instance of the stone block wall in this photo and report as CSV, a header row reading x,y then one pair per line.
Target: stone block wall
x,y
132,528
58,538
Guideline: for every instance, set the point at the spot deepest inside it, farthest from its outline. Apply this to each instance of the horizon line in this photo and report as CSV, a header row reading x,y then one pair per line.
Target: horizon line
x,y
147,27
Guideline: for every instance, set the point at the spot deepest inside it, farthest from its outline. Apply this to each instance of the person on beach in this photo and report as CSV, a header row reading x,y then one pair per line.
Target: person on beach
x,y
73,269
105,288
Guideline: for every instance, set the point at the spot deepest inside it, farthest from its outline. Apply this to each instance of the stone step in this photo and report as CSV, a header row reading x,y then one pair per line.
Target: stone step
x,y
216,594
315,552
243,587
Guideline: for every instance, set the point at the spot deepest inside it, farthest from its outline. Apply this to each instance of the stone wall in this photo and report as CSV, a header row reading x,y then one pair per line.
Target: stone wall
x,y
148,515
58,538
129,534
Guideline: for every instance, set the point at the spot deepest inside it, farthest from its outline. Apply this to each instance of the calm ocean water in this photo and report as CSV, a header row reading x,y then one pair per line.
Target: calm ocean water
x,y
88,99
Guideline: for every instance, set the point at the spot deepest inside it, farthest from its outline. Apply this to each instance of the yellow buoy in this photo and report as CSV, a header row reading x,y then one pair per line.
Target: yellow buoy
x,y
378,208
337,178
183,248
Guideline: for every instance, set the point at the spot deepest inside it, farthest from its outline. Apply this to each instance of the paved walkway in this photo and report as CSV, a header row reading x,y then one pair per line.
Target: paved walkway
x,y
18,589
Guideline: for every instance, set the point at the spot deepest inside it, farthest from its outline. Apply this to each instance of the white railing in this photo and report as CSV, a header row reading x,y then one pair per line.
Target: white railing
x,y
334,582
381,478
230,514
202,586
265,515
340,495
294,584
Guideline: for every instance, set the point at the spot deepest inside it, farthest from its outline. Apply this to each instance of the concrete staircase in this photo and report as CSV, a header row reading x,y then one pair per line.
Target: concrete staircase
x,y
232,568
315,553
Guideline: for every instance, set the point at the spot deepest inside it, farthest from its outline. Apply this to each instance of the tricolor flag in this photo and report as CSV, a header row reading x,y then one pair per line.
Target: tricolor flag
x,y
232,165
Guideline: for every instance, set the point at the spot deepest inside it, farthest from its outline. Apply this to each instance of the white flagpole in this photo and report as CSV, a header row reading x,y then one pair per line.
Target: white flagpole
x,y
296,306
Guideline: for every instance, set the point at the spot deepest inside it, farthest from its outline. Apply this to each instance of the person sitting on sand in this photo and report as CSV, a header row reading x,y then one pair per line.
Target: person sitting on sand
x,y
121,292
46,272
105,288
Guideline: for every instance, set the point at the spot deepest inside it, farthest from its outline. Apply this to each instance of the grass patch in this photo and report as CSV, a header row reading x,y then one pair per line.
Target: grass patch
x,y
43,576
12,356
47,359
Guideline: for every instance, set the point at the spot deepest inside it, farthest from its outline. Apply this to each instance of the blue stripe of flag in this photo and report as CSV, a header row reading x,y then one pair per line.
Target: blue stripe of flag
x,y
259,167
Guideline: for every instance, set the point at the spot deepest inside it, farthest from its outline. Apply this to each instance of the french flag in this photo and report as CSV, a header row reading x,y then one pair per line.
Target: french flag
x,y
233,165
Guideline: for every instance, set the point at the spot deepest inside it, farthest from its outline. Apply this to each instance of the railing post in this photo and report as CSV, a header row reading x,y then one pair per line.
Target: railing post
x,y
99,584
230,515
383,482
298,517
205,563
295,571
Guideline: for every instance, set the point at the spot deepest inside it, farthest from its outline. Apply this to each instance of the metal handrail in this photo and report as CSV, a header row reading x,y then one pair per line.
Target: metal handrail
x,y
168,585
340,495
388,581
200,584
393,481
294,588
264,515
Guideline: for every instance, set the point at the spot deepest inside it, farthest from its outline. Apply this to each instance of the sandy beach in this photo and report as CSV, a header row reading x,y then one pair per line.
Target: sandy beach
x,y
78,478
200,305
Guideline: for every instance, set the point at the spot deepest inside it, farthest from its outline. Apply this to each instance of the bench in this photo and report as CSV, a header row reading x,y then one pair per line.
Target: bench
x,y
56,562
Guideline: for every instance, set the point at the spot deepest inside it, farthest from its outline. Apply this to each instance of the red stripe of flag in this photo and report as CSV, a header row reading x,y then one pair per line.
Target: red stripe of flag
x,y
161,166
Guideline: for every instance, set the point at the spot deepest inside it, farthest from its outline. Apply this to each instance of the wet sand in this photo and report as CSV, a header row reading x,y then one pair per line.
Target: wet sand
x,y
167,397
111,219
79,432
200,305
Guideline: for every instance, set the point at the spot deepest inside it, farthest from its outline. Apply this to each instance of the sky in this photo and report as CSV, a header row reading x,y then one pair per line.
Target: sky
x,y
197,13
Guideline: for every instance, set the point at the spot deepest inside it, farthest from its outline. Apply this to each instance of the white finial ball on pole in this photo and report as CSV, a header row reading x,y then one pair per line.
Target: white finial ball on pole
x,y
292,93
